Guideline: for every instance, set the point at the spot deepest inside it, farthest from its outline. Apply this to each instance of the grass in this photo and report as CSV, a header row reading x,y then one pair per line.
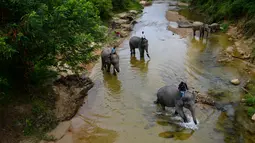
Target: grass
x,y
135,6
224,27
250,98
185,1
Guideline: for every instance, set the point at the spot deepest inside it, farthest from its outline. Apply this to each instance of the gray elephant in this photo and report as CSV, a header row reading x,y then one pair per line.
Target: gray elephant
x,y
142,45
206,29
197,26
169,96
214,27
108,60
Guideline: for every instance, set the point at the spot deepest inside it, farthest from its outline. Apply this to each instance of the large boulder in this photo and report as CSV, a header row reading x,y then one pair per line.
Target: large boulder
x,y
70,92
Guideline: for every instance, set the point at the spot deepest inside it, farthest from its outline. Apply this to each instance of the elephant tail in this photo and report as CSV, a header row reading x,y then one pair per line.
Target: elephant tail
x,y
156,102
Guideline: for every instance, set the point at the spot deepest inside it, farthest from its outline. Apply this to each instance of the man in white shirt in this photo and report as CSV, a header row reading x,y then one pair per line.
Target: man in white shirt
x,y
143,36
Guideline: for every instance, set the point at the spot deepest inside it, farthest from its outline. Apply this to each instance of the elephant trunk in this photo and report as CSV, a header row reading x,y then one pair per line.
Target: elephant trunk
x,y
147,53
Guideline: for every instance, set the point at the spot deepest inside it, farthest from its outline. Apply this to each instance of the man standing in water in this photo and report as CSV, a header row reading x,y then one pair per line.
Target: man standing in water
x,y
182,88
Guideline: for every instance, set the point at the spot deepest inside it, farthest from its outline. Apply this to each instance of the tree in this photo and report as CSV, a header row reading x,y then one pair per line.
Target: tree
x,y
41,31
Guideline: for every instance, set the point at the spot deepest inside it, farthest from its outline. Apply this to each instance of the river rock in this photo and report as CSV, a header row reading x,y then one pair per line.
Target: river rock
x,y
126,27
133,12
145,3
124,33
127,16
235,81
229,110
60,130
253,117
70,92
230,50
120,21
204,99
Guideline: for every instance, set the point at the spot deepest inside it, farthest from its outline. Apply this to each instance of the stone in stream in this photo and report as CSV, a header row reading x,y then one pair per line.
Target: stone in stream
x,y
253,117
235,81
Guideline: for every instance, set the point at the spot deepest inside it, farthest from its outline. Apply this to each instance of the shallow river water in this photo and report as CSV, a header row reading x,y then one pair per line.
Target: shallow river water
x,y
120,108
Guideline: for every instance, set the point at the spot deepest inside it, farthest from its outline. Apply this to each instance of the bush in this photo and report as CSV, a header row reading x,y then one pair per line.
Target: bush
x,y
251,111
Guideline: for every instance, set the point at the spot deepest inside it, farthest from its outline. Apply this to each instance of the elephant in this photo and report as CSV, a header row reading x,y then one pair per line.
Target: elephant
x,y
108,60
197,26
169,96
142,45
214,27
206,29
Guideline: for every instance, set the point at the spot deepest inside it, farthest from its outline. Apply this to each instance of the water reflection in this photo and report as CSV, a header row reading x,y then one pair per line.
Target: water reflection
x,y
178,135
112,83
141,64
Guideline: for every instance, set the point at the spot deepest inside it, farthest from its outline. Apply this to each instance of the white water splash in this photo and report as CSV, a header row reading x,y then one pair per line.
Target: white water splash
x,y
190,125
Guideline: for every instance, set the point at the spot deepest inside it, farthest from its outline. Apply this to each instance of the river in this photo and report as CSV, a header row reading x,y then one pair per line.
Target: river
x,y
120,108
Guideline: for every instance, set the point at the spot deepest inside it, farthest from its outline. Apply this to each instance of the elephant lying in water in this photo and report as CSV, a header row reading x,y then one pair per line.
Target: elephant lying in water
x,y
142,45
108,60
169,96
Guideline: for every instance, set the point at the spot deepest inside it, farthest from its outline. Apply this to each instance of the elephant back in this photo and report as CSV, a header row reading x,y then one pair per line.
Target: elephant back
x,y
105,54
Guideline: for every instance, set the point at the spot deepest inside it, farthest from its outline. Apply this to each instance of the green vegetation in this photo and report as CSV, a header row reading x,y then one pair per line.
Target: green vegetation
x,y
250,98
36,35
232,10
185,1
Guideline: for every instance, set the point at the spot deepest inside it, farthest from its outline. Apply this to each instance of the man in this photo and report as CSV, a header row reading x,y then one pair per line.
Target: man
x,y
143,36
113,51
182,88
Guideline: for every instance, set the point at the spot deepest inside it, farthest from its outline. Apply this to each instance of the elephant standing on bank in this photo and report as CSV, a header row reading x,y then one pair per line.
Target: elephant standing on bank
x,y
108,60
169,96
142,45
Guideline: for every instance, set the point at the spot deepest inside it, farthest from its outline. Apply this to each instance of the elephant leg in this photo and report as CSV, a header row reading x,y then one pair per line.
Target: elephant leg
x,y
175,112
108,67
194,32
192,110
156,102
102,67
163,107
131,50
141,52
179,108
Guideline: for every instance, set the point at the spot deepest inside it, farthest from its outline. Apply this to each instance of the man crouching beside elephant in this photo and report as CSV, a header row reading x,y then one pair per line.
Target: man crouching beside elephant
x,y
169,96
110,57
